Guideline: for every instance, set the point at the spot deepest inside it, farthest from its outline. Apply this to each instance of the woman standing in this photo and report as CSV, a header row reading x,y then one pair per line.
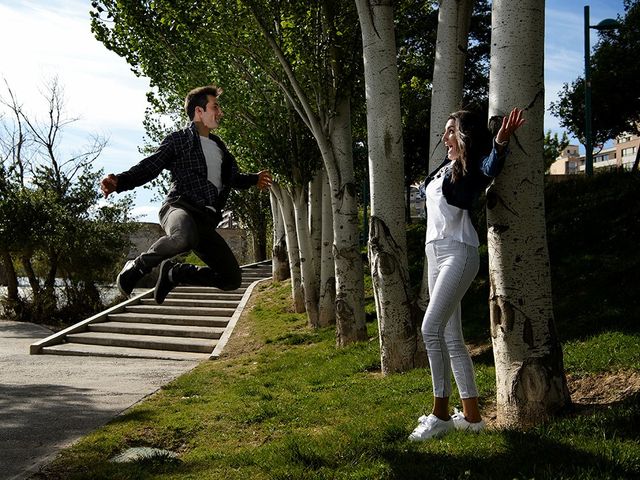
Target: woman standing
x,y
452,262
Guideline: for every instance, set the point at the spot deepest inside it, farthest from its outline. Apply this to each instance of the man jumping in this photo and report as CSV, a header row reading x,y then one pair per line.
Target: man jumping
x,y
203,172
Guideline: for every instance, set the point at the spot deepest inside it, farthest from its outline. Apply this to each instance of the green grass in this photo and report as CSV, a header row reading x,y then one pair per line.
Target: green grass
x,y
605,352
296,407
287,404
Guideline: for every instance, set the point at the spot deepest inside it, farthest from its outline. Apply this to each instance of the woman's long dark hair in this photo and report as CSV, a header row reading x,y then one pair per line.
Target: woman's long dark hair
x,y
474,141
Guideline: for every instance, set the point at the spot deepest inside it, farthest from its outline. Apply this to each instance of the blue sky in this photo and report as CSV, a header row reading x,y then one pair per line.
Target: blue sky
x,y
44,38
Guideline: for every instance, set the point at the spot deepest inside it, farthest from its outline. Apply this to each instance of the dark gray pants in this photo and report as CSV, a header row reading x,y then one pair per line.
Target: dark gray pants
x,y
190,230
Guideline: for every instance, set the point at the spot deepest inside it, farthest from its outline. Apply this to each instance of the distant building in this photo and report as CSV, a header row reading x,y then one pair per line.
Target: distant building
x,y
620,156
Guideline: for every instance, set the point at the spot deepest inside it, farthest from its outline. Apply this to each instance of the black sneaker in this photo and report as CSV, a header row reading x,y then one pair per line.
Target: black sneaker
x,y
164,285
128,277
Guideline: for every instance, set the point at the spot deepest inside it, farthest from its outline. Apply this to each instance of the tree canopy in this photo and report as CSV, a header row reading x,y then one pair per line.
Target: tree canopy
x,y
51,223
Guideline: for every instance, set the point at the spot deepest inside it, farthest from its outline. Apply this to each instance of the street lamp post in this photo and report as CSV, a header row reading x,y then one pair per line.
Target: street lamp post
x,y
606,24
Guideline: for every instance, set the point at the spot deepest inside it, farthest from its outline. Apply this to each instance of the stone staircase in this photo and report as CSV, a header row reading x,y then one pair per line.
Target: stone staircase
x,y
193,323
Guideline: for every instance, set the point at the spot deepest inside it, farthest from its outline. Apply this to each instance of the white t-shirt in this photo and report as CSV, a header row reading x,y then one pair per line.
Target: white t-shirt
x,y
213,157
444,220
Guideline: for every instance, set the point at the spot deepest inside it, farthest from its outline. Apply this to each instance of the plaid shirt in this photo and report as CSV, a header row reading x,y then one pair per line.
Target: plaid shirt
x,y
181,153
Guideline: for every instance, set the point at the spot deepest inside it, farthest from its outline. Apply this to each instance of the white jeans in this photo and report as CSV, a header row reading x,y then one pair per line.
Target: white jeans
x,y
451,267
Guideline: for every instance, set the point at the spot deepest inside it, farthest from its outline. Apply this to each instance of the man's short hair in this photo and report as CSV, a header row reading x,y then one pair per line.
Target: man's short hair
x,y
198,98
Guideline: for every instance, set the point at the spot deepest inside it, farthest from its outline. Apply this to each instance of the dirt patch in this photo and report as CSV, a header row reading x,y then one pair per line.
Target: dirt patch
x,y
604,388
587,392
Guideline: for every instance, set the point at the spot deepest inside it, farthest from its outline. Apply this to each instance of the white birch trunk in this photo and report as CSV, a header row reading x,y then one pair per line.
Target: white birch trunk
x,y
454,18
327,293
279,257
531,384
288,217
307,261
334,141
387,237
350,321
315,219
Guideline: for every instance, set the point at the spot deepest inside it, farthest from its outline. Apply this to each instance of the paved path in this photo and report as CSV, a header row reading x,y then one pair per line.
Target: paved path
x,y
47,402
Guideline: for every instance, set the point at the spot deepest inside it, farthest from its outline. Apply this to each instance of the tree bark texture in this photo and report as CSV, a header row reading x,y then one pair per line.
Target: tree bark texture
x,y
531,383
350,321
327,293
315,219
454,18
280,258
307,258
11,277
288,216
387,233
331,128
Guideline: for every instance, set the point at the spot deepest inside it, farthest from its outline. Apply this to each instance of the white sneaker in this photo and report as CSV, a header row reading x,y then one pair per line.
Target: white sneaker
x,y
431,427
462,423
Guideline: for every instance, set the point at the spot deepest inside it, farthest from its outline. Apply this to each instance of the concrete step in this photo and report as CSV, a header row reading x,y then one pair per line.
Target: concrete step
x,y
206,296
190,302
185,311
189,325
131,328
180,344
253,275
258,268
195,320
192,289
111,351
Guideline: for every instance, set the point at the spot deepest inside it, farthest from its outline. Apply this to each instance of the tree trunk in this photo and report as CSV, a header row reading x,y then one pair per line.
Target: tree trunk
x,y
327,293
31,275
331,128
307,261
454,18
259,246
350,321
387,233
11,277
288,216
315,219
531,384
408,205
280,259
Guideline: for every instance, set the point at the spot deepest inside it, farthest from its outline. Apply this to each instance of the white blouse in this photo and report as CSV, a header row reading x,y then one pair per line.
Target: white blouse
x,y
444,220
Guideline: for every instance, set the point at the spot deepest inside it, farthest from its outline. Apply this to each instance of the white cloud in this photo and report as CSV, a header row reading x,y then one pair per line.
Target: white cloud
x,y
42,39
55,39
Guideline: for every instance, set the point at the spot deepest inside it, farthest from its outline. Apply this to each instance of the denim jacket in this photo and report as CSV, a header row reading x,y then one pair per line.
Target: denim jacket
x,y
181,153
468,188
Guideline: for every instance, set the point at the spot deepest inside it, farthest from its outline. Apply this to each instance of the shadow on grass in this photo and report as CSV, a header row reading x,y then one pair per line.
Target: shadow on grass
x,y
525,456
620,419
593,442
